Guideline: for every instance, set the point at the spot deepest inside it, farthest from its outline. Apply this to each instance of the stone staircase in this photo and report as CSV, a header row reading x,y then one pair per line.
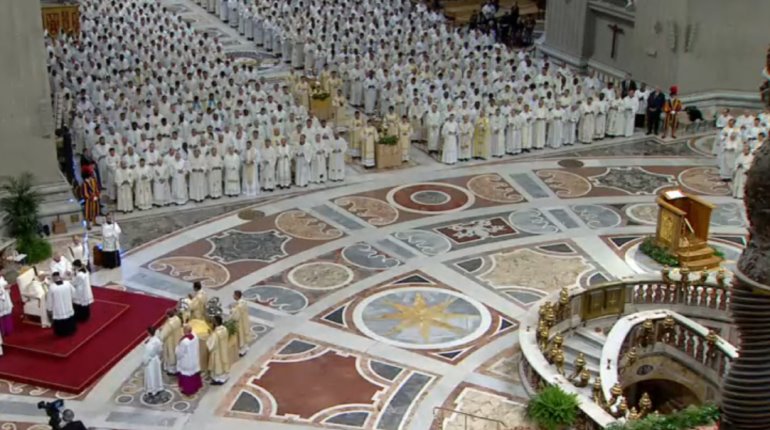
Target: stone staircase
x,y
590,343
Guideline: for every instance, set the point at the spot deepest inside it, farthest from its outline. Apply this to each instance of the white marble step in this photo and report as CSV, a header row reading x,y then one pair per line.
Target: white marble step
x,y
576,344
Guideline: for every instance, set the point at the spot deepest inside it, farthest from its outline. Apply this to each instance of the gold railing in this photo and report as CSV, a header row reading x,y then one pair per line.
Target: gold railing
x,y
683,290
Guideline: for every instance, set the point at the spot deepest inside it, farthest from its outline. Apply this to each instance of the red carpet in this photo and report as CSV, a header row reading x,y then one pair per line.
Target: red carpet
x,y
118,323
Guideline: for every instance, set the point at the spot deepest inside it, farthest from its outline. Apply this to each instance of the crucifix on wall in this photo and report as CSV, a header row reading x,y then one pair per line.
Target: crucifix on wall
x,y
616,30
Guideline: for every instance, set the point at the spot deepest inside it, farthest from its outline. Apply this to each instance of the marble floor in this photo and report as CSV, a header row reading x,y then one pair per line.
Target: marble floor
x,y
391,301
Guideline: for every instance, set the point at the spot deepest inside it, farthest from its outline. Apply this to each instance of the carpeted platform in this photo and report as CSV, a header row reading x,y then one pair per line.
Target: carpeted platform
x,y
118,323
30,337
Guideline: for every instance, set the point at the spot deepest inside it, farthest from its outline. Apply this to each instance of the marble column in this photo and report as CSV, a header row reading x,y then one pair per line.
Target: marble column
x,y
26,124
746,389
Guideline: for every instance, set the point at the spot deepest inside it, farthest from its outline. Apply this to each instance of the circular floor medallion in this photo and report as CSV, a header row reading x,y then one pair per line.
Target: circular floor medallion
x,y
422,318
430,198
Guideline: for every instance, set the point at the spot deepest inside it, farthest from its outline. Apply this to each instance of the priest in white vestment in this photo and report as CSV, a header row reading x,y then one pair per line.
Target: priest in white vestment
x,y
465,139
497,126
539,127
630,106
303,154
527,128
59,304
214,165
250,171
318,168
143,186
337,149
449,140
571,120
556,127
743,163
600,120
232,166
124,179
267,172
728,156
188,363
283,154
153,376
433,122
198,182
161,177
587,127
179,170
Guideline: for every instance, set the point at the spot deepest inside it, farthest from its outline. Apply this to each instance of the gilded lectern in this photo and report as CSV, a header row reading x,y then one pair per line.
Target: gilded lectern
x,y
683,229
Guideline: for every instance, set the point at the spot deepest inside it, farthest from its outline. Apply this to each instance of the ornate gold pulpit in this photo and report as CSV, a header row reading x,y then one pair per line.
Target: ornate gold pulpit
x,y
683,229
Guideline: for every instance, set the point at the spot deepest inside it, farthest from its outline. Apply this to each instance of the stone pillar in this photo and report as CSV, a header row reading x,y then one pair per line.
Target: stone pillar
x,y
746,389
26,124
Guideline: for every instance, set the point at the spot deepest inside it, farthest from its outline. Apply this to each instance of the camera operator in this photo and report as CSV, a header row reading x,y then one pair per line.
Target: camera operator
x,y
68,419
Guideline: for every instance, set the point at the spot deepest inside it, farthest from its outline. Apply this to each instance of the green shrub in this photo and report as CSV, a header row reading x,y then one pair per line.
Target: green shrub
x,y
231,326
552,408
388,140
686,419
20,203
657,253
37,248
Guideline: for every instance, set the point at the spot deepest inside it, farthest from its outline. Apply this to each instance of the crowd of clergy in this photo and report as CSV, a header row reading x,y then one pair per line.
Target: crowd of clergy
x,y
176,348
738,139
461,93
165,116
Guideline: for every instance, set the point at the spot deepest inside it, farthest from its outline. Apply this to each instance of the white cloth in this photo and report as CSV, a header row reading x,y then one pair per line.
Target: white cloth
x,y
111,237
153,376
188,360
59,300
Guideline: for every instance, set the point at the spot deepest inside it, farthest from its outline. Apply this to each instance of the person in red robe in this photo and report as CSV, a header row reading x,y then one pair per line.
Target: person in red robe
x,y
91,195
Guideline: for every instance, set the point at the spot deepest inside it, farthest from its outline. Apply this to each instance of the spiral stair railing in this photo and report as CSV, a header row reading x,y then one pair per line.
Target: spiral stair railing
x,y
679,292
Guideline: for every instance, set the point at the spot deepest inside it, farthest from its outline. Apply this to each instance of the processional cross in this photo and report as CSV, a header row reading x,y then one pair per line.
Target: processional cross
x,y
616,30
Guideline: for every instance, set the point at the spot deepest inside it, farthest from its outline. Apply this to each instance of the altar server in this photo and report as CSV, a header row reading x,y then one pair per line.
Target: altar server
x,y
59,304
153,351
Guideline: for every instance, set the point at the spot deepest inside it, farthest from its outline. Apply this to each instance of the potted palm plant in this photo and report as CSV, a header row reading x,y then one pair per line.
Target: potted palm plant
x,y
553,409
21,203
